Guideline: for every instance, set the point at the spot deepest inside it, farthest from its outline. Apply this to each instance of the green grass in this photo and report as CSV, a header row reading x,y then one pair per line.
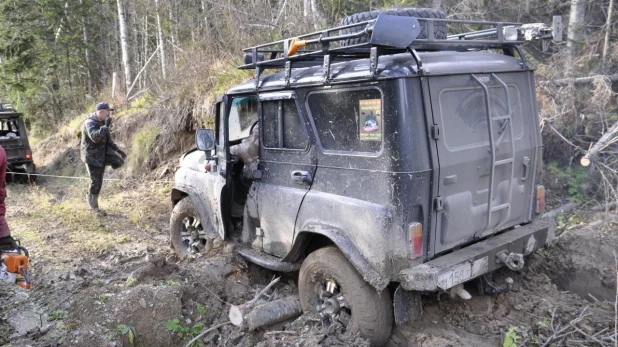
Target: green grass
x,y
48,218
141,146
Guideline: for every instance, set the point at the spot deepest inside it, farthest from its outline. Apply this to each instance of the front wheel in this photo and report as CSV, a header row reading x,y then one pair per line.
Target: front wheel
x,y
186,231
330,286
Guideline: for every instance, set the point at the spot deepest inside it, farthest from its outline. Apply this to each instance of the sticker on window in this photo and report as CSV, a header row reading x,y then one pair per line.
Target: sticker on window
x,y
370,120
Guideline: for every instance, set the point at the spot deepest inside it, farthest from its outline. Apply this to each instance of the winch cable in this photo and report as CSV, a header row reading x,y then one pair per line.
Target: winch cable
x,y
88,178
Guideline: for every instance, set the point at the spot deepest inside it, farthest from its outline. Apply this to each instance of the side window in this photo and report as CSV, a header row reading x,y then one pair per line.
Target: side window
x,y
243,114
349,120
282,125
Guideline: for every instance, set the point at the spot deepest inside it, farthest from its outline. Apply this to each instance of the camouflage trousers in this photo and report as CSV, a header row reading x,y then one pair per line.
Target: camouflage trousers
x,y
96,173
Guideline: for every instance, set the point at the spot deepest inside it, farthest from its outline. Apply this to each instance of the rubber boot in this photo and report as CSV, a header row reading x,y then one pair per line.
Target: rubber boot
x,y
93,203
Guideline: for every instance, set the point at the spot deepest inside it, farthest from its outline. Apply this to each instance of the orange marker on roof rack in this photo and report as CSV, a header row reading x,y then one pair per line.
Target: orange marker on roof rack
x,y
295,44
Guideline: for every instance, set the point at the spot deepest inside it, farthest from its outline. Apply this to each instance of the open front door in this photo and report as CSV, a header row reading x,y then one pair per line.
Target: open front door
x,y
487,150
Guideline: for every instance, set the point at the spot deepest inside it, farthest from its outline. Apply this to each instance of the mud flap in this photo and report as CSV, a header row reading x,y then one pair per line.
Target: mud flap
x,y
408,306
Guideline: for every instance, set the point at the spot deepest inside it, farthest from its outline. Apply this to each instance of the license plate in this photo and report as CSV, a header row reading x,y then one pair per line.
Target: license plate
x,y
455,277
463,273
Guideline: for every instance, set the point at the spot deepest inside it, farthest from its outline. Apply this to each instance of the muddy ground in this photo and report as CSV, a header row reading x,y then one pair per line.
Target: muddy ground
x,y
114,281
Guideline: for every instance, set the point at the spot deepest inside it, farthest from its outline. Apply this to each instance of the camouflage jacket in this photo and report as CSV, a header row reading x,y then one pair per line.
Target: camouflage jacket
x,y
96,139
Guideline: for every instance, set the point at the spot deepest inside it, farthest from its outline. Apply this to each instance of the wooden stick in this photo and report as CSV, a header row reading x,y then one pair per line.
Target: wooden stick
x,y
206,332
142,70
257,297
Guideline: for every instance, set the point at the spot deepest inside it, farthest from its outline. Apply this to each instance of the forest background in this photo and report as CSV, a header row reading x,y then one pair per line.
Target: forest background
x,y
167,60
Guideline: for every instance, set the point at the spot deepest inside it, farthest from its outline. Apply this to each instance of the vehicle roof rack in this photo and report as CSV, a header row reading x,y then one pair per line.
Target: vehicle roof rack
x,y
382,36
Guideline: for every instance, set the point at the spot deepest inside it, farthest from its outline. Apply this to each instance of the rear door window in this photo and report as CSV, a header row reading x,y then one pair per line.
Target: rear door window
x,y
282,125
348,120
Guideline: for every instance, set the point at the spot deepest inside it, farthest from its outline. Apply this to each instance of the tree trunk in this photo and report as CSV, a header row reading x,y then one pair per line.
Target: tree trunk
x,y
306,8
173,23
436,4
576,31
160,38
86,50
61,26
124,47
145,52
608,29
206,25
315,15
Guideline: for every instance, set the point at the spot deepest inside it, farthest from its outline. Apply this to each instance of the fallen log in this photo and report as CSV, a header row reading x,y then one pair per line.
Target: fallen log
x,y
273,312
580,80
600,145
237,313
562,209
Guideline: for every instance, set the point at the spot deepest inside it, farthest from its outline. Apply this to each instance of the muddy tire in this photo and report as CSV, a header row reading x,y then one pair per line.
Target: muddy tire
x,y
358,305
184,225
439,28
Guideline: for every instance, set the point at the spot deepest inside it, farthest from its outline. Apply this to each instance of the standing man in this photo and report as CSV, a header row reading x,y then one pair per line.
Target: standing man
x,y
6,241
98,151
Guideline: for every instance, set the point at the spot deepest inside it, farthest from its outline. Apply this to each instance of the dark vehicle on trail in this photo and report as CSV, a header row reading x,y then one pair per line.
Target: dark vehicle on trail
x,y
394,160
14,140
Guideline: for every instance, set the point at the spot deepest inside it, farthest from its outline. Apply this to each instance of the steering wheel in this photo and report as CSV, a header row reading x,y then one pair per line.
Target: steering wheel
x,y
253,126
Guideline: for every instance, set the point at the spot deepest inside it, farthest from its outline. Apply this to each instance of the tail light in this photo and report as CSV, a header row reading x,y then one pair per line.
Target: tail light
x,y
415,239
540,199
28,155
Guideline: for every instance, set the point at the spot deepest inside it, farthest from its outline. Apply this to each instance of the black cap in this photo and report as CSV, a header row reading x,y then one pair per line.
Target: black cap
x,y
102,106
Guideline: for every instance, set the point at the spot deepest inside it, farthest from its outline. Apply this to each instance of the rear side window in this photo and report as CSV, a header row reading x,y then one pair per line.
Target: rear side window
x,y
282,125
9,127
349,120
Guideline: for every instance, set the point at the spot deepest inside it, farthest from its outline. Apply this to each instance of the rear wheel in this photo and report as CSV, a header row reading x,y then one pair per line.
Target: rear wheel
x,y
186,231
330,286
439,28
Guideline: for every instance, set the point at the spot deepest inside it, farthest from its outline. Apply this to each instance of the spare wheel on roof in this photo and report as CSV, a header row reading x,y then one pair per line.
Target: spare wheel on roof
x,y
439,28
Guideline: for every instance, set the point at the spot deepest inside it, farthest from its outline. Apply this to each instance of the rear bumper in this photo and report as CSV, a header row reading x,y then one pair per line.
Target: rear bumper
x,y
13,165
477,259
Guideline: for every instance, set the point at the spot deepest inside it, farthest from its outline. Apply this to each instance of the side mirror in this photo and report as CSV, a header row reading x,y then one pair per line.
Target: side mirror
x,y
205,139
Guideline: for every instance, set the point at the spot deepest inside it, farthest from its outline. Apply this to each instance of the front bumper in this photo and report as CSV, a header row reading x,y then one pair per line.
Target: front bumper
x,y
477,259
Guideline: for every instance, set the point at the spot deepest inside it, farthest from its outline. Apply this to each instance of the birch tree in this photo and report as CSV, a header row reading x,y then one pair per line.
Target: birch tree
x,y
86,47
160,39
576,30
124,47
608,30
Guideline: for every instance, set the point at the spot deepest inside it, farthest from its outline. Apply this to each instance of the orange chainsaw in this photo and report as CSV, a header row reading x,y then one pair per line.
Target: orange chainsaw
x,y
14,267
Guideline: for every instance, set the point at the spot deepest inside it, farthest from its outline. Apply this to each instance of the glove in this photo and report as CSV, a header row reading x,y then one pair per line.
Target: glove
x,y
122,154
8,242
108,121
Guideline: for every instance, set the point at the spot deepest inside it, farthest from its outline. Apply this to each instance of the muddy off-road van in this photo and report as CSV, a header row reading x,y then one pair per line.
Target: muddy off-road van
x,y
14,140
394,159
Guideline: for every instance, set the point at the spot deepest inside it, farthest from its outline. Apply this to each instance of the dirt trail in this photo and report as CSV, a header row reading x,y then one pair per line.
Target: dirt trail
x,y
107,281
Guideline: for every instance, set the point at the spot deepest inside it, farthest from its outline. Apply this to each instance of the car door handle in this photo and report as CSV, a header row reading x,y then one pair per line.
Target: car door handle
x,y
526,163
301,177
